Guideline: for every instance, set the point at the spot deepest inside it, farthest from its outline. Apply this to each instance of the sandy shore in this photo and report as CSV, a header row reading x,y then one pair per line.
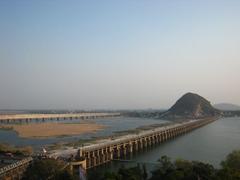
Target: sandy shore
x,y
43,130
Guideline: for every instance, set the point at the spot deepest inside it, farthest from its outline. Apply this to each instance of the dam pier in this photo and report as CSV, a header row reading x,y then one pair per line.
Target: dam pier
x,y
111,149
106,150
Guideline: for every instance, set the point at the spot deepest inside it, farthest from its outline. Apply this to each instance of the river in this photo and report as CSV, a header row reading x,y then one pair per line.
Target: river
x,y
113,125
209,144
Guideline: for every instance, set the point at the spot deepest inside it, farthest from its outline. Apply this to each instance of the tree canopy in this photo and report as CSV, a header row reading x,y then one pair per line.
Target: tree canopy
x,y
182,170
165,170
47,169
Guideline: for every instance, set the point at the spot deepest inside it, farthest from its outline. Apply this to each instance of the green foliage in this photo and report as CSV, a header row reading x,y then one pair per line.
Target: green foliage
x,y
231,166
166,170
64,175
232,161
134,173
145,174
186,170
182,170
47,169
111,176
22,151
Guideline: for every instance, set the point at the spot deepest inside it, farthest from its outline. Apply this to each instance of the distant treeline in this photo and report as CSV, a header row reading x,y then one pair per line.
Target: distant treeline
x,y
159,114
144,114
231,113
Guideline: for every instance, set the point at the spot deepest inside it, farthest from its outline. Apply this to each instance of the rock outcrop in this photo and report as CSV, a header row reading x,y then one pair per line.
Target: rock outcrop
x,y
191,106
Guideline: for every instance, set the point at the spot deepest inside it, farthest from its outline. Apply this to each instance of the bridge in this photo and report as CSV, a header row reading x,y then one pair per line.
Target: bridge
x,y
31,117
110,149
15,170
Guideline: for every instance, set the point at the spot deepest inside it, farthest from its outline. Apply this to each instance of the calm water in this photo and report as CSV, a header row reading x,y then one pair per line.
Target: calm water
x,y
113,125
209,144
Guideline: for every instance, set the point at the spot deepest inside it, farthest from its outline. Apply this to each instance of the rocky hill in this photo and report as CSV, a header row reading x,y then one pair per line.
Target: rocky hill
x,y
191,106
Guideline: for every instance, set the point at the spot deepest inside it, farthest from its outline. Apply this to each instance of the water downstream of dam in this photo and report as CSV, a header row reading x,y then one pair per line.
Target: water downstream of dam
x,y
209,144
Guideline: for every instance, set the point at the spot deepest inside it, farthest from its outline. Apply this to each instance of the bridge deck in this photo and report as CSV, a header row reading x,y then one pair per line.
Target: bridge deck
x,y
49,116
13,166
106,150
132,137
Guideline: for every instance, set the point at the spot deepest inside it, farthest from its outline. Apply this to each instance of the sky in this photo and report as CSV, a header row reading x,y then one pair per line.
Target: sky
x,y
128,54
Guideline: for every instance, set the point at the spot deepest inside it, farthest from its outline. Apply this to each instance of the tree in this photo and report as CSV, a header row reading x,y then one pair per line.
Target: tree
x,y
182,170
232,161
202,171
110,176
145,174
134,173
230,166
165,168
47,169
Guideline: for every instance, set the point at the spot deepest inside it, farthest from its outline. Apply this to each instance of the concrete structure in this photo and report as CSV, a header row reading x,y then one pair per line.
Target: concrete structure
x,y
15,171
43,117
107,150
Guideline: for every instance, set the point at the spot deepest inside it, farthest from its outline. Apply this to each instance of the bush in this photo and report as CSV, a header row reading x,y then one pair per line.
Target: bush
x,y
47,169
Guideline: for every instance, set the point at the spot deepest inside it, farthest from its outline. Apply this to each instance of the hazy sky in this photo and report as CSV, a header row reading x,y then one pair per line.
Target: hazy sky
x,y
117,54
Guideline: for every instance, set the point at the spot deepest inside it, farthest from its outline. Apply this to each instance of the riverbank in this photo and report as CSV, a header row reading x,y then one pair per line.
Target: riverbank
x,y
96,139
44,130
111,125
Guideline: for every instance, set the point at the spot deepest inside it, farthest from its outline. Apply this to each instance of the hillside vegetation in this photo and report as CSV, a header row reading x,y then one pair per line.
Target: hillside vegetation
x,y
190,106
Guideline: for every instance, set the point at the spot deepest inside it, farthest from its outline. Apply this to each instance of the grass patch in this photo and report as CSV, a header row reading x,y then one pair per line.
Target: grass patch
x,y
6,128
25,151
